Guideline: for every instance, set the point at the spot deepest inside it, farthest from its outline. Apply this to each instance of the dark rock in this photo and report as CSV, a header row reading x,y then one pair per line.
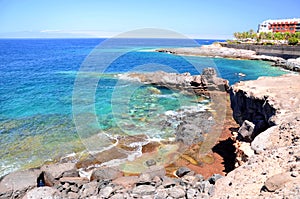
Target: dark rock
x,y
255,110
43,192
41,180
106,173
182,171
150,162
214,178
16,184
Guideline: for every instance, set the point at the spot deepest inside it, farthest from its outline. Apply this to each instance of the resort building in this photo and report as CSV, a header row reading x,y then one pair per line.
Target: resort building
x,y
280,25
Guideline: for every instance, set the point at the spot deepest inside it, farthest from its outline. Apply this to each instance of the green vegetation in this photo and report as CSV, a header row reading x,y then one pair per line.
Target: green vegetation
x,y
250,35
293,41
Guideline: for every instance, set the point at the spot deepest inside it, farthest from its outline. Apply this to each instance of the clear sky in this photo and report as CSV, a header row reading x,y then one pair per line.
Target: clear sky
x,y
106,18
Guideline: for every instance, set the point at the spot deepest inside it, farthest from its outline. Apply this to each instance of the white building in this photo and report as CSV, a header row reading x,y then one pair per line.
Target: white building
x,y
280,25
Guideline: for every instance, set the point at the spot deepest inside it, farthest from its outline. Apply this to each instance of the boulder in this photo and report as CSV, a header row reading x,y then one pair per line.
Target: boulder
x,y
43,192
263,141
276,181
60,169
106,192
106,173
246,130
16,184
143,190
177,192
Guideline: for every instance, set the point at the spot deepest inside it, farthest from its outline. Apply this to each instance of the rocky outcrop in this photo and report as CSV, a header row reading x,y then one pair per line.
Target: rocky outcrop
x,y
272,170
236,52
207,81
214,50
194,127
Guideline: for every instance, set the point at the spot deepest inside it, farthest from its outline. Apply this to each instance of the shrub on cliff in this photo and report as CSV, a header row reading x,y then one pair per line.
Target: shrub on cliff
x,y
293,41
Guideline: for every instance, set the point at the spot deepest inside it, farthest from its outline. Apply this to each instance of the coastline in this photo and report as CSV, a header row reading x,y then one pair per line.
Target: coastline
x,y
67,179
218,51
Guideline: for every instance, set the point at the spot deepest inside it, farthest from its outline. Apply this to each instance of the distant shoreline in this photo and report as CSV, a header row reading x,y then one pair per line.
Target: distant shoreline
x,y
218,50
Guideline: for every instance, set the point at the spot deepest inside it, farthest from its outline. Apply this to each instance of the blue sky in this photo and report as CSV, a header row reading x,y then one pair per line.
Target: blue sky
x,y
105,18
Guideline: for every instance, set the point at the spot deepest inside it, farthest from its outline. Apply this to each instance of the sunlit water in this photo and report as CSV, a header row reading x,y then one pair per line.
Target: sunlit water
x,y
36,87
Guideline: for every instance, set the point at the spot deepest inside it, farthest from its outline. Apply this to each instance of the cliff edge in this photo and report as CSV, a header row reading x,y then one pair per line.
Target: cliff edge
x,y
268,112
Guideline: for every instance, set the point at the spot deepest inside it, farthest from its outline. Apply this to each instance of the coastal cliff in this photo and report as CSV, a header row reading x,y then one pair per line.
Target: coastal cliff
x,y
272,169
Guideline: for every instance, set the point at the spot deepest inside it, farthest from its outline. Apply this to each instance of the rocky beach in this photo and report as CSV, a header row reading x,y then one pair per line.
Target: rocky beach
x,y
70,178
248,131
258,153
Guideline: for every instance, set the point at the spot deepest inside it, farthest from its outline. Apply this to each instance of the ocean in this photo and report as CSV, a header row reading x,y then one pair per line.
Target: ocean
x,y
58,95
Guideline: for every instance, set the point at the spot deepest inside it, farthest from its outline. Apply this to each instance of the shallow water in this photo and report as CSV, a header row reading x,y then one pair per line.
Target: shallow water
x,y
37,92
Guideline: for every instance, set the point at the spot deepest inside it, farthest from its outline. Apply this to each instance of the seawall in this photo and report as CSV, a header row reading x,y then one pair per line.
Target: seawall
x,y
285,52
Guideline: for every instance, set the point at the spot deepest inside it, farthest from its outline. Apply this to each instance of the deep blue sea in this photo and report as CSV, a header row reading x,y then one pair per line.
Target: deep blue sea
x,y
46,113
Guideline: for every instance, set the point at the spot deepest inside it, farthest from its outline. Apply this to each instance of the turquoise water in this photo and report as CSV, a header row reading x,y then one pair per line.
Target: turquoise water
x,y
38,107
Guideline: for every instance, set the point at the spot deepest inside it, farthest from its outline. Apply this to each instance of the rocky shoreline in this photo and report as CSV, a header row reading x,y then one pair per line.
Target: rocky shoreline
x,y
268,140
261,158
84,179
217,50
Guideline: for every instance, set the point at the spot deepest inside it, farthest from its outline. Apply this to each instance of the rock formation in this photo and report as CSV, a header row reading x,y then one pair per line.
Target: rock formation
x,y
207,81
273,171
